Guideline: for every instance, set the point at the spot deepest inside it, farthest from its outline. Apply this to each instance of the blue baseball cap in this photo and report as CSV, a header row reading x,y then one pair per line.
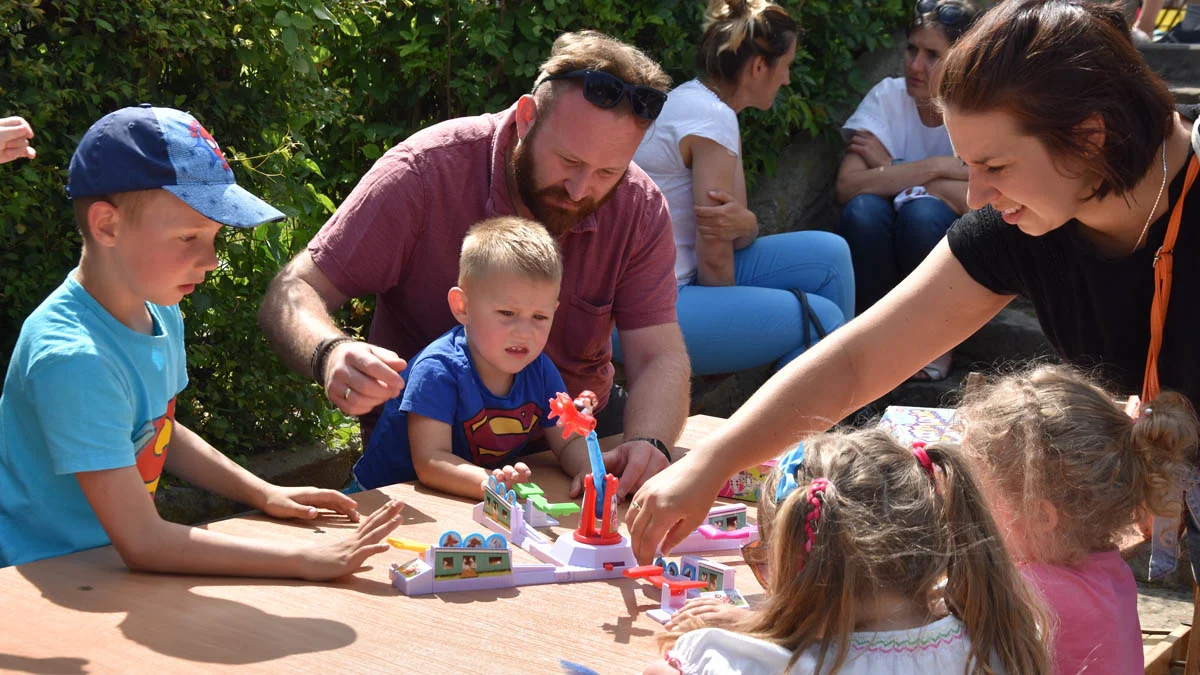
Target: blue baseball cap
x,y
144,148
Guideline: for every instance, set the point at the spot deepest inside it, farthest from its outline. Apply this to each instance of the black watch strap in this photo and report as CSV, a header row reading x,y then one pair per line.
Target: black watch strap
x,y
662,447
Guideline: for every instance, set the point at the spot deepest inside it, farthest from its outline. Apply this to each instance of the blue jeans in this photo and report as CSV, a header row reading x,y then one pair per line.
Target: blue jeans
x,y
887,244
759,321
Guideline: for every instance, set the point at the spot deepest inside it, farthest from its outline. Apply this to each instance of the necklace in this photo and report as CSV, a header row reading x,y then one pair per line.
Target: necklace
x,y
1154,208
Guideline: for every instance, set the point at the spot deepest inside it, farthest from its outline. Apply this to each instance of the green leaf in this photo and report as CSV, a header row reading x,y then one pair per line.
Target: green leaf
x,y
349,27
283,18
105,25
321,12
200,301
290,42
372,151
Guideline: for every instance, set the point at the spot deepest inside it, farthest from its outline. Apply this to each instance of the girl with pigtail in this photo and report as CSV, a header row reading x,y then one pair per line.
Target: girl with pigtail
x,y
859,535
1066,469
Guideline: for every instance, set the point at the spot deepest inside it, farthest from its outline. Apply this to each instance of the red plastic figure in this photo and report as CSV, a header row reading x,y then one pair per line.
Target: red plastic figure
x,y
574,416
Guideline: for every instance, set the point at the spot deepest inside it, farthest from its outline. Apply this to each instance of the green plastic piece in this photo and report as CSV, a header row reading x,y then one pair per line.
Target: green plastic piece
x,y
561,509
527,490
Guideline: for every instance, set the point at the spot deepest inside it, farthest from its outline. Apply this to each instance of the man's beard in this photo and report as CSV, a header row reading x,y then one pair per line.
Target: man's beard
x,y
556,220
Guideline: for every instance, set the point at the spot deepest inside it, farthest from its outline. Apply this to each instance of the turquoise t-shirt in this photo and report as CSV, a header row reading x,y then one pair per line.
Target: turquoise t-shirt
x,y
83,392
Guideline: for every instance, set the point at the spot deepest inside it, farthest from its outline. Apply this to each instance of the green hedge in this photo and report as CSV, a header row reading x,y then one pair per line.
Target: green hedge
x,y
304,95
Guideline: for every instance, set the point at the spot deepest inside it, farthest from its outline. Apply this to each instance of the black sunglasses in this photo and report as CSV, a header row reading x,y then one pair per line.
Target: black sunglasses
x,y
953,16
606,90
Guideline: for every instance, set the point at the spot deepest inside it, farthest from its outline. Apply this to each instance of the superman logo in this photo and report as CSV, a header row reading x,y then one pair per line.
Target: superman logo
x,y
151,444
493,434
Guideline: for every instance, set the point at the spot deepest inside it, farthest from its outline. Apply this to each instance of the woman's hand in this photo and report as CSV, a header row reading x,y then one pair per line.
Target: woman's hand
x,y
727,221
864,144
670,505
15,133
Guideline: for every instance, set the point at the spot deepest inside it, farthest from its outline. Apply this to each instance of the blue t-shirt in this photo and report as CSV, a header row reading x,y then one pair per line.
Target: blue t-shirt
x,y
83,392
441,383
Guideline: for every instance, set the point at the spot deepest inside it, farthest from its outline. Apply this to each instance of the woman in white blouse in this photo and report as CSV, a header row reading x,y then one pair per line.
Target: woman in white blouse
x,y
900,182
744,301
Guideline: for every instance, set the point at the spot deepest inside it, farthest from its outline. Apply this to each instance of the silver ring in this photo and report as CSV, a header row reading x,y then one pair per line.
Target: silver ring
x,y
635,505
347,394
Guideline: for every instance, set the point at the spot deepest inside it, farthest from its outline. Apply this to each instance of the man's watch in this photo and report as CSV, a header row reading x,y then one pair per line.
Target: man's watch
x,y
662,447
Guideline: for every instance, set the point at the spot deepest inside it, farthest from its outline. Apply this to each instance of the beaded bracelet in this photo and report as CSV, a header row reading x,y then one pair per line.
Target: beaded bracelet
x,y
317,362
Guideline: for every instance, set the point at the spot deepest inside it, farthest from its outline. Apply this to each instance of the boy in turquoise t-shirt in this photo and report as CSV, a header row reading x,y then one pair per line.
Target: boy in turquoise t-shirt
x,y
87,414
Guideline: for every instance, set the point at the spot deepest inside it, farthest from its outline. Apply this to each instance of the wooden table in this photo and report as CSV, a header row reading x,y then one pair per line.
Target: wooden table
x,y
86,613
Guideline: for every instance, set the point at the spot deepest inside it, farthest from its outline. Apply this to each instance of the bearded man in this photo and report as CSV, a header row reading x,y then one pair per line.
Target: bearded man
x,y
561,155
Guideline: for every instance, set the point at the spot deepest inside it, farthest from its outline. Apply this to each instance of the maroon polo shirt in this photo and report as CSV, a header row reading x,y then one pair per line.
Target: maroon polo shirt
x,y
399,232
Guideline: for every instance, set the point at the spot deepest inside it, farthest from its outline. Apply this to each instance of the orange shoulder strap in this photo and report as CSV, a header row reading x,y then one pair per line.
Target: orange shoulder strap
x,y
1163,269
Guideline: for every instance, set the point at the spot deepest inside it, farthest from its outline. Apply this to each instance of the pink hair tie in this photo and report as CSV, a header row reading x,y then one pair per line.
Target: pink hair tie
x,y
816,493
918,450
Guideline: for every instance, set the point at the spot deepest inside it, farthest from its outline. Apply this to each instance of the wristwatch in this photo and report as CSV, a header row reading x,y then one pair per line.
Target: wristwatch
x,y
662,447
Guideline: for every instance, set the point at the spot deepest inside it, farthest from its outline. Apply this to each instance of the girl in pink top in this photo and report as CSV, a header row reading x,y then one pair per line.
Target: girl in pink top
x,y
1065,470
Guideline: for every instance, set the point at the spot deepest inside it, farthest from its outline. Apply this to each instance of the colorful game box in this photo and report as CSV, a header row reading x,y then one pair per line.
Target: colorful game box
x,y
932,425
729,597
746,484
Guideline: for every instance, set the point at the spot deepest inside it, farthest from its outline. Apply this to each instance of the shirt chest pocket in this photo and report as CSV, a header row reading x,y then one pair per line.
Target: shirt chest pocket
x,y
588,328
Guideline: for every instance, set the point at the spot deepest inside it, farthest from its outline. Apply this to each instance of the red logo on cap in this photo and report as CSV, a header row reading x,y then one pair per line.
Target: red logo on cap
x,y
201,134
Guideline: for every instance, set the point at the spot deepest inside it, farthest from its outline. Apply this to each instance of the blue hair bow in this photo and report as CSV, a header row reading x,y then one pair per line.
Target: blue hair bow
x,y
788,464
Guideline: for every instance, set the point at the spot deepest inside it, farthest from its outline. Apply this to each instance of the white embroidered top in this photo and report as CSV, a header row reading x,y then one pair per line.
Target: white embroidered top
x,y
938,647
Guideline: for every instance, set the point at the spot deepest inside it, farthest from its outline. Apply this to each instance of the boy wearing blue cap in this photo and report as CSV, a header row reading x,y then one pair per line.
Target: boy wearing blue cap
x,y
87,421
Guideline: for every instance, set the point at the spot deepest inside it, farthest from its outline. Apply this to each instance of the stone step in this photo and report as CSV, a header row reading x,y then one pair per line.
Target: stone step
x,y
1186,95
1012,336
314,464
1179,65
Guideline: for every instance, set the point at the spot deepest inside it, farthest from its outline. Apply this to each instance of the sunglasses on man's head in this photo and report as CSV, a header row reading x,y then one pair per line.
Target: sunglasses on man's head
x,y
953,16
606,91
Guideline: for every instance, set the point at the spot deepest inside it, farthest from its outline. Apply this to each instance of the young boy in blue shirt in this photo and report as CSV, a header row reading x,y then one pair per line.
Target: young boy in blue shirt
x,y
474,397
87,419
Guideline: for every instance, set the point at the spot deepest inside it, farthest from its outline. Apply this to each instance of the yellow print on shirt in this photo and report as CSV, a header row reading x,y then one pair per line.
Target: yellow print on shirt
x,y
152,454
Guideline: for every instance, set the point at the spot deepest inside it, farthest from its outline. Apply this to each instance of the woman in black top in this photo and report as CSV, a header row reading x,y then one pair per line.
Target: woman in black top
x,y
1075,155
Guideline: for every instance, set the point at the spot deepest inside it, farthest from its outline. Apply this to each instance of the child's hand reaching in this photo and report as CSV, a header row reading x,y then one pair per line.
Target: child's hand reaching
x,y
331,561
15,133
510,475
706,611
305,503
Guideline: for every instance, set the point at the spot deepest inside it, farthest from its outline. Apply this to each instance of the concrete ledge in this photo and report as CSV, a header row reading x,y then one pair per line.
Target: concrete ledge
x,y
314,464
1014,335
1179,65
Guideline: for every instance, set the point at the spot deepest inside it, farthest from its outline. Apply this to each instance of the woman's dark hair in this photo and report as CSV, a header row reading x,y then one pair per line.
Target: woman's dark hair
x,y
952,17
737,30
1054,65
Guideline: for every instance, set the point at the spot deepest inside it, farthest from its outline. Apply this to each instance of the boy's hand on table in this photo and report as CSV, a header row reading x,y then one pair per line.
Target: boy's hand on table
x,y
331,561
510,475
306,502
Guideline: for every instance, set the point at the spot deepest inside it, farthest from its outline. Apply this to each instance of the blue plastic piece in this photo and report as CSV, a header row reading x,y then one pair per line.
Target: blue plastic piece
x,y
598,470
